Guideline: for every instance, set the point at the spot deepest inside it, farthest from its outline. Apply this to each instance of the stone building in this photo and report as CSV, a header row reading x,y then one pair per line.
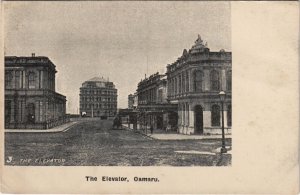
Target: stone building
x,y
131,101
98,98
30,97
194,82
153,106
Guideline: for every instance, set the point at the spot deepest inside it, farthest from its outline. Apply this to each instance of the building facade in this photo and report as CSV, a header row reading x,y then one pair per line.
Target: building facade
x,y
98,98
30,97
153,106
130,101
194,83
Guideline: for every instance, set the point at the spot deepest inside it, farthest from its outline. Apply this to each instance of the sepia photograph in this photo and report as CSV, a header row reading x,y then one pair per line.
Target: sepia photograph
x,y
104,84
118,84
149,97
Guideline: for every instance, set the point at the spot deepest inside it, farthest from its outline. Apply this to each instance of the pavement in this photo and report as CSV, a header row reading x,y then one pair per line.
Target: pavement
x,y
60,128
162,135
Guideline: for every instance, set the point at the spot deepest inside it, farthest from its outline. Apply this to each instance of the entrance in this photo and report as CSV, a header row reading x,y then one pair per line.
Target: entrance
x,y
198,119
159,119
31,113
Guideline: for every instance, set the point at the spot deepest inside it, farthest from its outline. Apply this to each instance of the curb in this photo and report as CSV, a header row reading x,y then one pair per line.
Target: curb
x,y
139,132
40,130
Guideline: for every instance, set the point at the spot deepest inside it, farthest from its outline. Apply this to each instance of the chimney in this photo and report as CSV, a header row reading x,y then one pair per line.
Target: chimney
x,y
33,54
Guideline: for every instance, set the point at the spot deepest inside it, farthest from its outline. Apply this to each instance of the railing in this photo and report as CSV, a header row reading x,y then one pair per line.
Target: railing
x,y
38,125
55,122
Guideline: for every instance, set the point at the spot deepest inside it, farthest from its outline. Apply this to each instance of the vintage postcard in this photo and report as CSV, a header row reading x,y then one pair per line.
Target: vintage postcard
x,y
150,97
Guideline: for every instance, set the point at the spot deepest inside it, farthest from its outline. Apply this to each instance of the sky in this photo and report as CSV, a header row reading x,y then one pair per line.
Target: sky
x,y
119,40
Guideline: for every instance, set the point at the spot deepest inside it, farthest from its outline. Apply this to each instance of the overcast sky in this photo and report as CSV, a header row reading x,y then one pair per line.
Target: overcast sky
x,y
112,39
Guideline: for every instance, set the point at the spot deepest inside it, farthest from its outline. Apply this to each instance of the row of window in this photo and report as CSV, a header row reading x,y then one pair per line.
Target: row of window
x,y
181,83
89,106
32,112
215,115
98,92
98,99
32,80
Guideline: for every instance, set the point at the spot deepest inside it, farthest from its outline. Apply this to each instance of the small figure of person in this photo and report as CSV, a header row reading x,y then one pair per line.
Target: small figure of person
x,y
151,129
168,128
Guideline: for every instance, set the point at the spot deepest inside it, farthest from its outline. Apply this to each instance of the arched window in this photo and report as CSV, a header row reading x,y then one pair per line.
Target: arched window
x,y
215,115
198,79
31,80
214,80
228,80
180,84
8,79
187,82
229,115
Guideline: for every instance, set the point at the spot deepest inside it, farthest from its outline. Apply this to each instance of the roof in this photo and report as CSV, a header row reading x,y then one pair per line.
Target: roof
x,y
98,79
25,60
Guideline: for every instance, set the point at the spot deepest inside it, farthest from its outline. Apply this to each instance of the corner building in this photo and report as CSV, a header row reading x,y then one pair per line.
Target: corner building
x,y
30,98
98,98
194,83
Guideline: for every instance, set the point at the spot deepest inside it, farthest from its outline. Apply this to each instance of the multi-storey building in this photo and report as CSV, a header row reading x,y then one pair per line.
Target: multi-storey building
x,y
30,97
98,98
153,106
194,83
130,101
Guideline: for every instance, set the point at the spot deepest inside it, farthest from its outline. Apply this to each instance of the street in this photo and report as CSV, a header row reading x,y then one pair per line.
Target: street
x,y
94,143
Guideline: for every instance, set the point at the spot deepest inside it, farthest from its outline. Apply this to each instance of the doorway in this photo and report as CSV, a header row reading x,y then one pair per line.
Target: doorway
x,y
198,119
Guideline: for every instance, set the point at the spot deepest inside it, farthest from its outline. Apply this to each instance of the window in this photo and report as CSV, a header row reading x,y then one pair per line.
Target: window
x,y
214,80
160,95
198,79
228,80
31,80
187,82
8,79
215,115
229,115
180,86
17,79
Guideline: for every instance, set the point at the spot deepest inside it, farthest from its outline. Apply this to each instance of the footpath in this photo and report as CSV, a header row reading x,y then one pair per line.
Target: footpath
x,y
171,135
61,128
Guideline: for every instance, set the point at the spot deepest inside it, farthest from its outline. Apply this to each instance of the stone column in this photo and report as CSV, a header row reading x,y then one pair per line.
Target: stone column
x,y
187,118
191,118
24,79
13,79
207,118
188,81
42,77
183,82
206,82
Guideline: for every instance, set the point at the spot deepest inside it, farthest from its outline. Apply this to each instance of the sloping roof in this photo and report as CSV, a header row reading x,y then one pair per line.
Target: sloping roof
x,y
98,79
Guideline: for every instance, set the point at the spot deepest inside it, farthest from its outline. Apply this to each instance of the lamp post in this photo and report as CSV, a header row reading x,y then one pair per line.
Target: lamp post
x,y
222,96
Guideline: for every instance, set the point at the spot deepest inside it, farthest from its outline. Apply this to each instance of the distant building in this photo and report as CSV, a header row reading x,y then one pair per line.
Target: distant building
x,y
98,98
153,106
132,101
194,82
30,98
